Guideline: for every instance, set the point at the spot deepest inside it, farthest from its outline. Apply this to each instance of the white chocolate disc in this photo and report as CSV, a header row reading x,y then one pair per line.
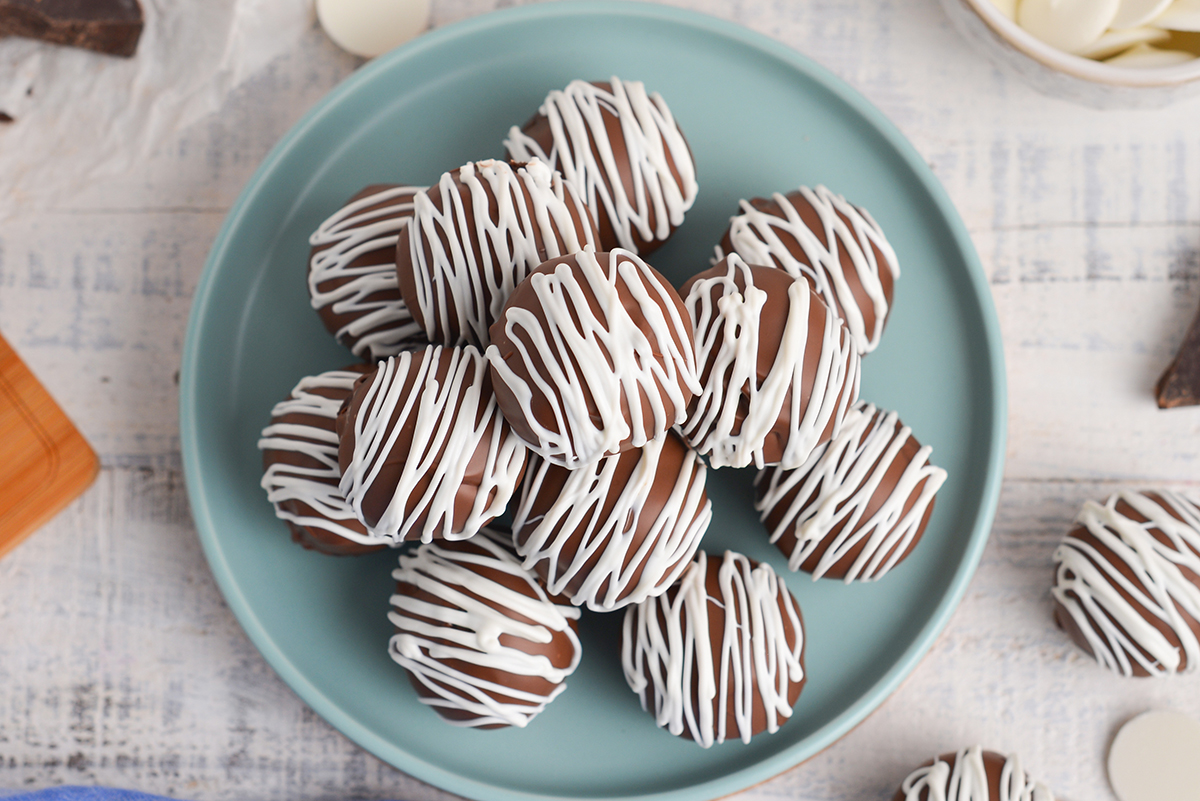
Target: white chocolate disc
x,y
1114,42
1147,57
1156,757
369,28
1069,25
1182,15
1132,13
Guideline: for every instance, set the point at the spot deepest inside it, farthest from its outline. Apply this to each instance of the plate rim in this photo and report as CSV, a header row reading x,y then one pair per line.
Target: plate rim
x,y
760,770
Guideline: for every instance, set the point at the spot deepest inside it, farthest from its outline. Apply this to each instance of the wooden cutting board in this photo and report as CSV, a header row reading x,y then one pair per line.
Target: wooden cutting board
x,y
44,461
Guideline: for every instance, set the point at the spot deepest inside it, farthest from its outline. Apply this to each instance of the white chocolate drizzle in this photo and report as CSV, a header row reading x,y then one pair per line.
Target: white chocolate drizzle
x,y
466,263
381,327
836,486
582,150
1088,584
670,637
756,236
452,419
728,344
622,556
315,486
479,614
968,780
580,354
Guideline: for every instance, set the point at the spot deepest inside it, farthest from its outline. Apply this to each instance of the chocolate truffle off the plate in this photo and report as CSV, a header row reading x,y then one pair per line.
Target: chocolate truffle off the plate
x,y
778,370
475,235
423,450
972,774
483,643
838,247
860,503
352,273
1127,583
720,654
592,355
300,466
623,150
617,531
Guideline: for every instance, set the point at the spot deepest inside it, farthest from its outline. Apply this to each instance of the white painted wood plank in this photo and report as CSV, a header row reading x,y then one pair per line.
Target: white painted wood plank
x,y
99,315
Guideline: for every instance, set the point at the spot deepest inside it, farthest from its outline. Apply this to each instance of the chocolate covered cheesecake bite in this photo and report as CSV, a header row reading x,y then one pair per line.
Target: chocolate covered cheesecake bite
x,y
778,370
423,450
300,466
482,641
1127,583
621,147
617,531
835,245
352,273
859,505
972,774
475,235
592,355
720,655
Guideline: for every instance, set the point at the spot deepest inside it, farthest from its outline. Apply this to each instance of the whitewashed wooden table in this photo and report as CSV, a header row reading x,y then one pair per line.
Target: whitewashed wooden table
x,y
120,664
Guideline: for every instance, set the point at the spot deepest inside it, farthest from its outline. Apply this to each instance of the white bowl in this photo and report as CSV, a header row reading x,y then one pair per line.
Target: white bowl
x,y
1059,74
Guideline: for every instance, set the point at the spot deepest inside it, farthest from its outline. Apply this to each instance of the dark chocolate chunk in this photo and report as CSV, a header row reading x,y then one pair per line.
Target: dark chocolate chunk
x,y
6,117
1180,383
107,26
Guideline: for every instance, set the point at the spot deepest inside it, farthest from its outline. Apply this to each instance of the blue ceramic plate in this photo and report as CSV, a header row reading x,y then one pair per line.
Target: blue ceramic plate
x,y
759,118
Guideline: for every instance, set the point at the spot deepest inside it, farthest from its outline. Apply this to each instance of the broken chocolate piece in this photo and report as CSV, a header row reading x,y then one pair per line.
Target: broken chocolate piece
x,y
107,26
6,117
1180,384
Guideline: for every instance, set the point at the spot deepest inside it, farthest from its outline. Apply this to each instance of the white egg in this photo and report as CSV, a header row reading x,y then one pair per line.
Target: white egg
x,y
1069,25
1133,13
1147,57
1114,42
1156,757
369,28
1182,15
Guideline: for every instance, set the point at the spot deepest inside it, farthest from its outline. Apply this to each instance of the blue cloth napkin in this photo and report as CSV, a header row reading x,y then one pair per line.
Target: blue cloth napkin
x,y
78,794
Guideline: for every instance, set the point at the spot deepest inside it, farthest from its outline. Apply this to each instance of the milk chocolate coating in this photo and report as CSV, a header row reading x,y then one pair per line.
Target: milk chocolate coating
x,y
772,322
538,128
381,490
650,519
542,405
1068,624
106,26
379,260
716,627
787,541
560,650
809,215
993,763
315,537
469,239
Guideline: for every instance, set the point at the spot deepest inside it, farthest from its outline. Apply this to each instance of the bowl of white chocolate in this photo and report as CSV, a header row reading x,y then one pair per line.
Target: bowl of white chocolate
x,y
1101,53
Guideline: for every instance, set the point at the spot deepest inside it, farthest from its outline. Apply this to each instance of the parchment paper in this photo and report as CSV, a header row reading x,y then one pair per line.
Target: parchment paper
x,y
82,115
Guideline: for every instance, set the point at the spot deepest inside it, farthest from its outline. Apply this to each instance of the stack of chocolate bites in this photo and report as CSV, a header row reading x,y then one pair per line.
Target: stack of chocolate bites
x,y
525,357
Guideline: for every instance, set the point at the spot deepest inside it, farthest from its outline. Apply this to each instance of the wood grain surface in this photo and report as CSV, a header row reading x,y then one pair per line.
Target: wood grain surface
x,y
44,461
120,664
